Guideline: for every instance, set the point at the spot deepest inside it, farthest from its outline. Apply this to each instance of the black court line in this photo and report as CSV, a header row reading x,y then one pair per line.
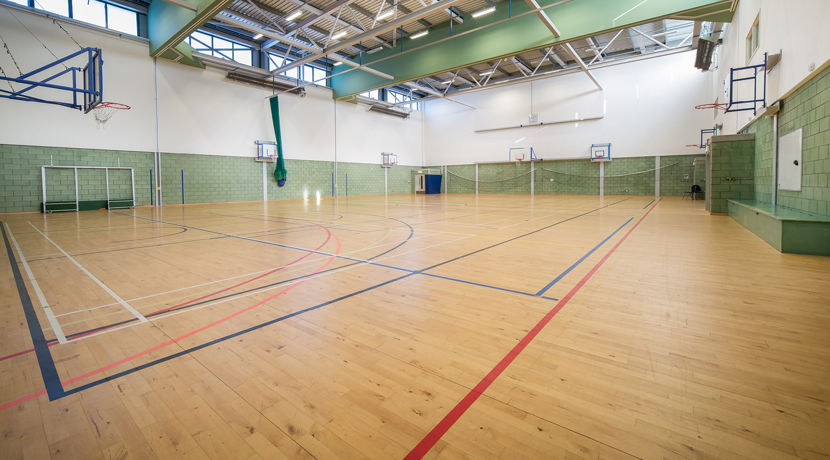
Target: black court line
x,y
44,358
315,307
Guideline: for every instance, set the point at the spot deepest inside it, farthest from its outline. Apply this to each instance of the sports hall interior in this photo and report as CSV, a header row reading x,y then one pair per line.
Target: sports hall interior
x,y
415,229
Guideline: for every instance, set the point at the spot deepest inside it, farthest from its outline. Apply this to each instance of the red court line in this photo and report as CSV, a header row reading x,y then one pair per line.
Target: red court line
x,y
95,331
177,339
453,415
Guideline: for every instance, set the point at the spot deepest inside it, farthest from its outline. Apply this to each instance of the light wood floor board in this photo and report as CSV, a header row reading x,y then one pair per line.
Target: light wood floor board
x,y
352,327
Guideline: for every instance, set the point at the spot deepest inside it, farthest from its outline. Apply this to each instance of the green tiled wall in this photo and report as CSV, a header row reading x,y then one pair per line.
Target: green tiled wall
x,y
733,160
461,179
570,177
762,184
623,176
20,183
808,108
630,176
672,171
207,178
503,178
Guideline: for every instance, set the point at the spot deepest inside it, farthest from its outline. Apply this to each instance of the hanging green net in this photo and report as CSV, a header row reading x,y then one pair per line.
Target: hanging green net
x,y
279,172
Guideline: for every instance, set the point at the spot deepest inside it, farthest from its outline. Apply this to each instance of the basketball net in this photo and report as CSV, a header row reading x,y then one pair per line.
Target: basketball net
x,y
105,110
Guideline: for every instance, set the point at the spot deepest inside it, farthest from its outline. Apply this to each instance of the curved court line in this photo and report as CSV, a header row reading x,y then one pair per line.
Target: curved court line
x,y
174,340
437,432
152,237
76,336
321,305
96,331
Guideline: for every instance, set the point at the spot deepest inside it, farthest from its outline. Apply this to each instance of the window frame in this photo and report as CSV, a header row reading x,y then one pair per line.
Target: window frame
x,y
753,39
70,13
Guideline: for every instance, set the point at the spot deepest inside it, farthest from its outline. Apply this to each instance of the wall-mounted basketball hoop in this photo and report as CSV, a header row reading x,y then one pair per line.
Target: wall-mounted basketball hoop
x,y
388,159
266,151
103,111
601,152
82,87
748,74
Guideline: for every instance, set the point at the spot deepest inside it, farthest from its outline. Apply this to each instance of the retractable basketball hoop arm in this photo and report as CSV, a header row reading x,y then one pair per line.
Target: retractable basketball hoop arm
x,y
90,80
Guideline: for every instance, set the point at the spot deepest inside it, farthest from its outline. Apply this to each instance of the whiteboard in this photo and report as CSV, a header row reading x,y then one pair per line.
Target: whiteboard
x,y
789,161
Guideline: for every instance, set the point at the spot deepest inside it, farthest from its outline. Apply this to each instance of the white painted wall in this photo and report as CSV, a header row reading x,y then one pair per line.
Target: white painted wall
x,y
647,107
199,111
798,28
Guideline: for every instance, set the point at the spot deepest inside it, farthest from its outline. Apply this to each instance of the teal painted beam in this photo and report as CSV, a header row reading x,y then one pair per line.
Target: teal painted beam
x,y
514,29
168,24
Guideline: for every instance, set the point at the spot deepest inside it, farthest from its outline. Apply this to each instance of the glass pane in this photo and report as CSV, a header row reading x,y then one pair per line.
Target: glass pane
x,y
122,20
221,44
55,6
200,41
89,11
274,62
242,57
21,2
293,73
308,73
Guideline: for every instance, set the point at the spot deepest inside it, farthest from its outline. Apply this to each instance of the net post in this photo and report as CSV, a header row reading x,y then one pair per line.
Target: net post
x,y
43,186
532,178
657,176
476,179
601,181
132,185
107,179
77,204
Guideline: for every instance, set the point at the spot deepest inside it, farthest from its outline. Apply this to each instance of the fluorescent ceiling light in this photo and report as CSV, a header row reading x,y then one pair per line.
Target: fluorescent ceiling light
x,y
374,50
484,11
489,72
339,35
419,34
294,15
258,36
448,82
337,63
386,14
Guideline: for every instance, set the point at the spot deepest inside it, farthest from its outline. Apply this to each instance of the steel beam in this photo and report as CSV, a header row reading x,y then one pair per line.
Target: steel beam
x,y
503,35
169,24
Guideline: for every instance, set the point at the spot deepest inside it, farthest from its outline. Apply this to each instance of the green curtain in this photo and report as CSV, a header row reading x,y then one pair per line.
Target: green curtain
x,y
279,172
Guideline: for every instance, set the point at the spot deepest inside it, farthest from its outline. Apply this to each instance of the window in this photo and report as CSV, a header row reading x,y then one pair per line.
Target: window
x,y
752,40
94,12
396,97
60,7
373,94
122,20
21,2
220,47
314,75
275,62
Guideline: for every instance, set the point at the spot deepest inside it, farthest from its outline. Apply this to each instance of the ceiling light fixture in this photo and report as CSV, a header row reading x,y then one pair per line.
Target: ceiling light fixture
x,y
385,14
419,34
337,63
339,35
294,15
484,11
258,36
484,74
448,82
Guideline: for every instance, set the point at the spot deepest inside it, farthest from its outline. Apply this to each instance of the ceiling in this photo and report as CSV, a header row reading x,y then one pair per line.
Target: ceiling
x,y
374,38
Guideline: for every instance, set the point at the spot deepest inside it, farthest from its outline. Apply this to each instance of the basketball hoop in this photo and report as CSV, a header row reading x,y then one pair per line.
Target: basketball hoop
x,y
105,110
713,105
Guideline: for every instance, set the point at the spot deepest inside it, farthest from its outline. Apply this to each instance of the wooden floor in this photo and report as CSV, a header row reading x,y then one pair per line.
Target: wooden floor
x,y
352,328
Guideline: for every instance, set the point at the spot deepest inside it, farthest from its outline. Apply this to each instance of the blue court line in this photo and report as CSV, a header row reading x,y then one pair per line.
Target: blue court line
x,y
483,285
649,203
315,307
230,235
48,371
568,270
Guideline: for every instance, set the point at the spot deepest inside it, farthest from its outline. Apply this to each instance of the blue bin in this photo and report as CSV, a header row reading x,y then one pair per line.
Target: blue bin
x,y
432,183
